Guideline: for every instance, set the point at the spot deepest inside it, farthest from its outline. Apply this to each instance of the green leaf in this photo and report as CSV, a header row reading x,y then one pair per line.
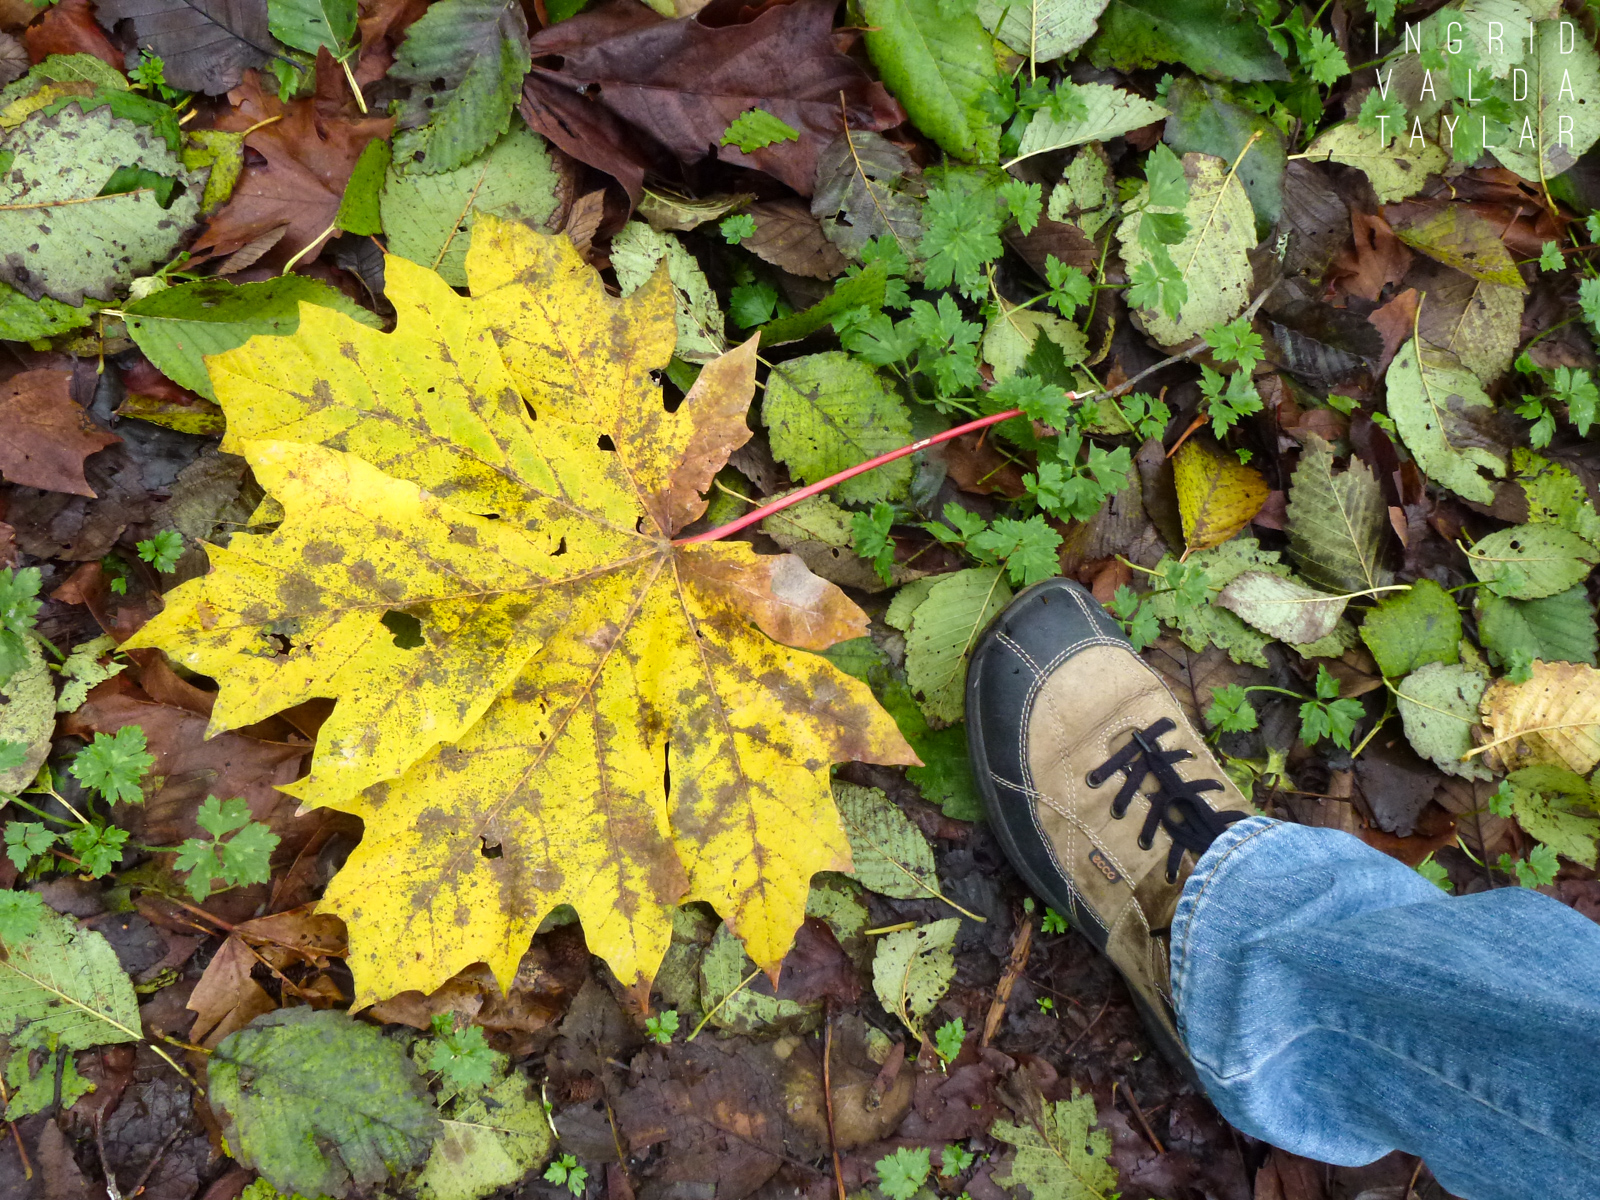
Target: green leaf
x,y
113,764
1560,91
864,289
902,1174
962,234
1555,495
636,251
944,628
1108,112
1337,522
1282,607
25,841
223,152
1410,629
825,412
890,854
1200,623
1063,1158
163,550
1212,257
1434,402
1550,257
1206,119
25,320
1231,710
1541,799
947,1041
912,968
463,1057
1014,332
1395,171
726,987
734,230
488,1143
940,66
758,129
1458,237
89,248
1558,628
428,218
177,328
308,25
63,983
360,210
316,1102
1211,37
83,670
21,912
1527,562
27,711
1041,29
98,847
1438,708
479,50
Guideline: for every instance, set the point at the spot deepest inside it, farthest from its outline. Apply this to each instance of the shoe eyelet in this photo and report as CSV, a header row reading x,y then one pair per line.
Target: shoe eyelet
x,y
1146,843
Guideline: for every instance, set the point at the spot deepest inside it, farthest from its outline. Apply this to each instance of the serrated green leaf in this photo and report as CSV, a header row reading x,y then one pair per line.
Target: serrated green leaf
x,y
1394,169
221,151
636,251
1209,36
488,1143
177,328
1559,110
825,412
1411,629
1434,401
1201,625
1066,1159
940,66
1337,522
944,628
1541,799
64,983
1438,707
83,670
758,129
1527,562
1281,607
912,968
890,854
1558,628
428,218
1109,112
1555,495
316,1102
308,25
864,289
740,1004
479,50
1041,29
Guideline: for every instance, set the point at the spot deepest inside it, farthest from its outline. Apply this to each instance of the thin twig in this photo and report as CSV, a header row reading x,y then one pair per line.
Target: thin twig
x,y
27,1167
1139,1113
144,1176
827,1103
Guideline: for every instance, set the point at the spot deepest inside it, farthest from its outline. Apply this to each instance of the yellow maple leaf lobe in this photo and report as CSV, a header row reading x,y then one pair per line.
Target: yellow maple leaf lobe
x,y
539,698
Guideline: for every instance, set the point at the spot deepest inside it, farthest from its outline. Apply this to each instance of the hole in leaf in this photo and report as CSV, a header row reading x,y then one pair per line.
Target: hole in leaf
x,y
560,549
605,443
671,400
281,644
487,849
532,414
666,769
407,629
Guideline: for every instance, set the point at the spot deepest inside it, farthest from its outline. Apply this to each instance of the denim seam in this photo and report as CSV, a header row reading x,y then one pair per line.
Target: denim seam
x,y
1180,969
1410,1061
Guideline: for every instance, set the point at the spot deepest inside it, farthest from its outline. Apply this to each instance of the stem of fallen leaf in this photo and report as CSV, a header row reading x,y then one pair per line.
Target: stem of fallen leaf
x,y
718,1005
827,1103
27,1167
903,925
361,101
915,879
1511,737
308,248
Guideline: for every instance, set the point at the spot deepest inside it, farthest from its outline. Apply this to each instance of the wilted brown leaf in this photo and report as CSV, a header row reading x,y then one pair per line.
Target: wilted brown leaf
x,y
788,236
45,435
69,28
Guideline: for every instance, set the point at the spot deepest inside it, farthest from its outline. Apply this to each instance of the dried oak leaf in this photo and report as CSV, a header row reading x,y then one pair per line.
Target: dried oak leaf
x,y
309,154
541,699
684,82
45,435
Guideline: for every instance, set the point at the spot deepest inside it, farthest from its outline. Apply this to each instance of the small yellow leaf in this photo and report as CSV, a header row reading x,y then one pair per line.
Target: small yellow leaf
x,y
1217,495
1554,718
540,698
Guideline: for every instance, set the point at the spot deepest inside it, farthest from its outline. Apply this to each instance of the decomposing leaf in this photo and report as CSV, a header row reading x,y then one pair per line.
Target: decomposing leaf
x,y
1212,256
728,985
178,327
62,237
1438,707
828,411
1217,494
1434,402
1551,718
563,658
1394,167
890,854
1555,495
205,45
226,998
1206,35
944,627
819,531
316,1102
1203,625
788,236
1285,608
637,251
1206,119
1556,121
938,61
45,435
465,61
1063,1157
1042,29
1416,627
27,716
1527,562
1108,113
428,217
867,187
912,968
1558,628
1458,237
1480,323
1541,800
1337,522
488,1143
64,985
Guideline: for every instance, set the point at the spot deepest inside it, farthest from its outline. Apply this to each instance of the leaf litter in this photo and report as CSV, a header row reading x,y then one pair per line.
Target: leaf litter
x,y
372,371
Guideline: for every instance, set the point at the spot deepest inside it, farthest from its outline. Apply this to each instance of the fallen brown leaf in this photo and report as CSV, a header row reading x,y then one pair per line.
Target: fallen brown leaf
x,y
227,999
788,236
45,435
1377,258
70,28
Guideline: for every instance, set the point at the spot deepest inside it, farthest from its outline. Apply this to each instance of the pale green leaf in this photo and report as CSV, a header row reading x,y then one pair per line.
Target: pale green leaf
x,y
1013,331
1408,630
944,628
1541,799
1337,522
636,251
818,530
1200,626
1395,169
826,412
27,717
743,1004
1527,562
1558,628
488,1143
223,153
1559,120
25,320
1434,402
1438,708
1041,29
1480,323
65,983
890,854
1110,113
1065,1157
1281,607
428,218
83,670
912,968
940,66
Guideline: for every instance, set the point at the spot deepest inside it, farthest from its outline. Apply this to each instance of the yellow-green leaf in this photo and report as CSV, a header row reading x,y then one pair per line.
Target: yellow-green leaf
x,y
1217,495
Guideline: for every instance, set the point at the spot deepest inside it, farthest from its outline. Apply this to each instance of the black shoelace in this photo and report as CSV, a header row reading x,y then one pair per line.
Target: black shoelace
x,y
1176,805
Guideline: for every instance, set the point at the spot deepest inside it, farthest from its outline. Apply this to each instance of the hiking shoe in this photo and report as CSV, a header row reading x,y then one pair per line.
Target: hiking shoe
x,y
1094,781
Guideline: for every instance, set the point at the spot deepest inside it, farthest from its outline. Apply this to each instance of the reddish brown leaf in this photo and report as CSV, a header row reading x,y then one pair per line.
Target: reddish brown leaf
x,y
309,156
974,465
1066,242
382,27
44,435
683,82
788,236
69,28
227,999
1396,321
1378,258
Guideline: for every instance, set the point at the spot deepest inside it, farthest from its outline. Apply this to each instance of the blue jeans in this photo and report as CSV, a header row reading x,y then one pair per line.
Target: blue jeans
x,y
1340,1006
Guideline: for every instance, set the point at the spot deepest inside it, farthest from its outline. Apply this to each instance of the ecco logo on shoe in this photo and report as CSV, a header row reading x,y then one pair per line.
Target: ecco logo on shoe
x,y
1103,865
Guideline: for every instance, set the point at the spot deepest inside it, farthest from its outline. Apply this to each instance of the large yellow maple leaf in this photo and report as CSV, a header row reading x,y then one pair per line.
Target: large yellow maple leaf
x,y
540,698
